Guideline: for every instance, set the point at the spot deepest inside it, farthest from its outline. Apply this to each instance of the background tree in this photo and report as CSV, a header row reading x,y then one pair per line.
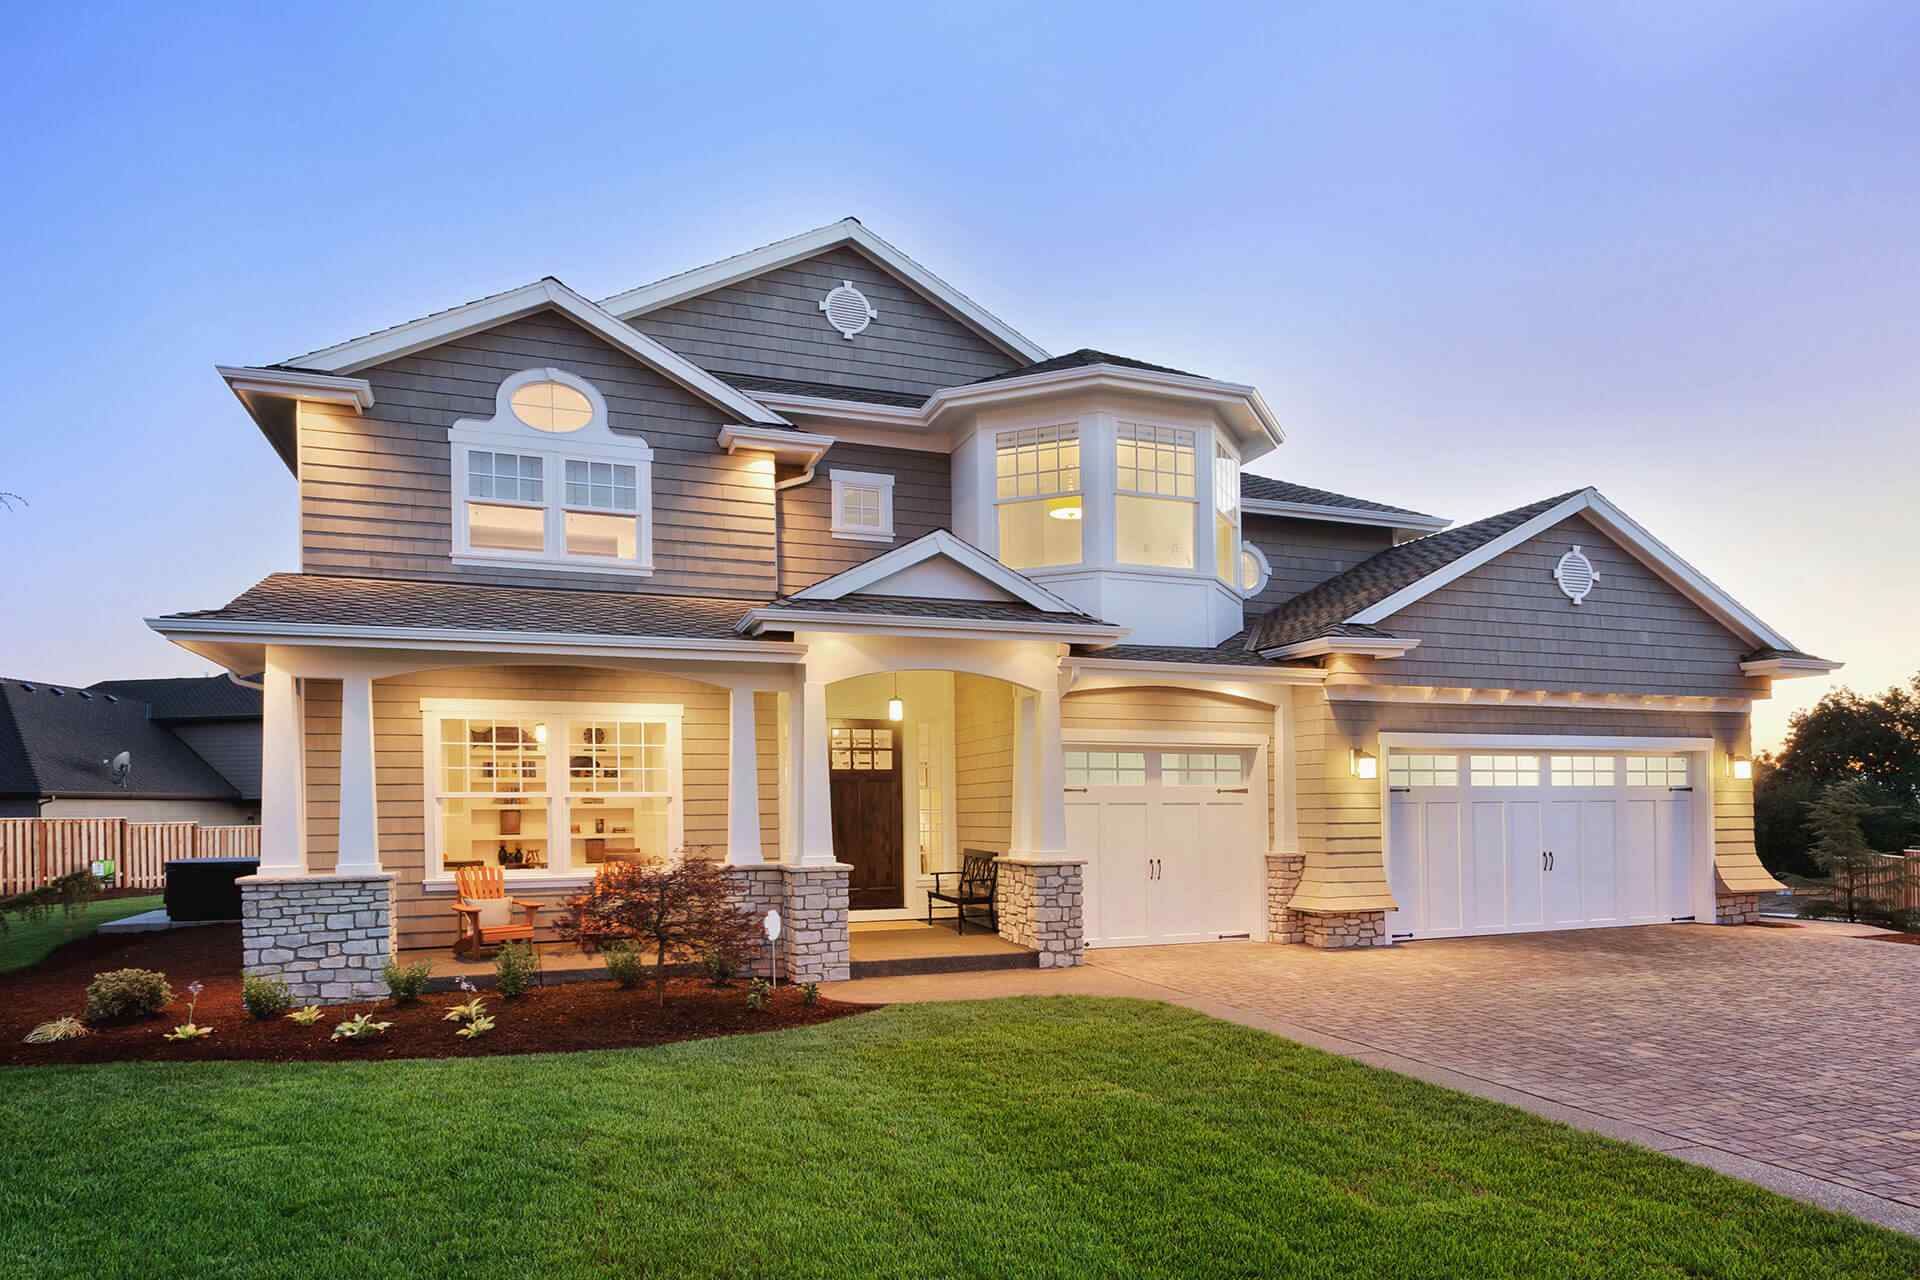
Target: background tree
x,y
1842,850
1844,737
682,910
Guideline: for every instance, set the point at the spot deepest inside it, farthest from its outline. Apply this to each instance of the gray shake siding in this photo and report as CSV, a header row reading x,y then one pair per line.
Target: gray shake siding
x,y
1507,625
376,491
1305,553
770,326
922,502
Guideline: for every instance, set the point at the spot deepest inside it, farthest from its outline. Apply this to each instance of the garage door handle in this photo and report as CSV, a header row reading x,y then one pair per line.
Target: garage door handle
x,y
1229,791
1081,789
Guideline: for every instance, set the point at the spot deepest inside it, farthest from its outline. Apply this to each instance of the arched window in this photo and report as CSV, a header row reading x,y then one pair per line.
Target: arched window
x,y
547,481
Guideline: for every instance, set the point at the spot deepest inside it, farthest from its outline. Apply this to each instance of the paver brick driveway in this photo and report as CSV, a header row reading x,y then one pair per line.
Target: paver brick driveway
x,y
1795,1047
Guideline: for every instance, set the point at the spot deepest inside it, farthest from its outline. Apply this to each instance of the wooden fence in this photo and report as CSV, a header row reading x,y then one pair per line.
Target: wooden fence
x,y
36,850
1894,881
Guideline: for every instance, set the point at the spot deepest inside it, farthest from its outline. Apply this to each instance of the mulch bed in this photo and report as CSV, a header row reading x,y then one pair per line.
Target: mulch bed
x,y
563,1017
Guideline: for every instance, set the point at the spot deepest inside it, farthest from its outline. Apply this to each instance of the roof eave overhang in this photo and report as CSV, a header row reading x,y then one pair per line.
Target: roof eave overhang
x,y
1409,521
1322,646
882,415
202,634
268,396
1241,406
1223,670
760,621
800,448
1790,668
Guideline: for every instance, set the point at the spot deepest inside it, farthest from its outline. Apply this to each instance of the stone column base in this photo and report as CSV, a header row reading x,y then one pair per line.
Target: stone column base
x,y
1040,908
1283,877
1338,929
1736,908
812,902
326,936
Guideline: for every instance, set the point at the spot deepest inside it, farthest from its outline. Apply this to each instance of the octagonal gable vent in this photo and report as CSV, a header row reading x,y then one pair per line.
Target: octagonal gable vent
x,y
1576,575
847,309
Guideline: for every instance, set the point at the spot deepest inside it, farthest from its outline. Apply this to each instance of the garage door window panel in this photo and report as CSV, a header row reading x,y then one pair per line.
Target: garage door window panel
x,y
1581,771
1658,771
1504,771
1106,768
1407,771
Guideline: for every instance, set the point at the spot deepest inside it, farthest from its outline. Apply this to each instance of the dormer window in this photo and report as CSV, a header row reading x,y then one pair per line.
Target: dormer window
x,y
1037,489
546,482
862,506
1154,496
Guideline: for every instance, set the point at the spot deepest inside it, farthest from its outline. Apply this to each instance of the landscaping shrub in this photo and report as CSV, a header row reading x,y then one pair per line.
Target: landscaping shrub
x,y
721,965
57,1030
624,965
406,982
760,994
515,968
810,994
121,995
265,997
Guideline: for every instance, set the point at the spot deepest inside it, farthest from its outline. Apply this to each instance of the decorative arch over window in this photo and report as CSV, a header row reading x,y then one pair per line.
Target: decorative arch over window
x,y
547,481
1255,572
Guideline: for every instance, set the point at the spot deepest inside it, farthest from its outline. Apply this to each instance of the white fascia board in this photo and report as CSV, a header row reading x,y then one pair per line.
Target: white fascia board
x,y
1245,404
1538,699
287,384
1544,742
1344,515
802,448
717,275
938,543
1093,665
759,621
1790,668
445,326
890,415
1320,646
556,643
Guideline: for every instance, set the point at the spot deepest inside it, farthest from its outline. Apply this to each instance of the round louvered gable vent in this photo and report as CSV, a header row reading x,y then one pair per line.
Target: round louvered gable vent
x,y
1576,575
847,309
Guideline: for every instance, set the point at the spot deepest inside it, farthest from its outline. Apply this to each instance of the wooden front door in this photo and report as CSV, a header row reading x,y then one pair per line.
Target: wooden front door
x,y
863,760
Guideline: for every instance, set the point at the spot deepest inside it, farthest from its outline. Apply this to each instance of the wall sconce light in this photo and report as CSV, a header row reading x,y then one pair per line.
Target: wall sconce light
x,y
1740,767
1365,765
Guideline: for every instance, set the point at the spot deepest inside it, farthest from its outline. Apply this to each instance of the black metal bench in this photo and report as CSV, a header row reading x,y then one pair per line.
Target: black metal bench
x,y
978,877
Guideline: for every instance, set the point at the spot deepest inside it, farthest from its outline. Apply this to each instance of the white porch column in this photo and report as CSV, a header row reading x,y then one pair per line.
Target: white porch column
x,y
283,801
359,798
816,794
1286,785
1047,774
743,780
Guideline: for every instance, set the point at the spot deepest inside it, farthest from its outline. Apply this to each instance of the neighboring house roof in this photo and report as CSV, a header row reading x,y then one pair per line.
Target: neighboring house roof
x,y
1083,358
1318,612
824,390
1262,495
847,231
55,740
187,697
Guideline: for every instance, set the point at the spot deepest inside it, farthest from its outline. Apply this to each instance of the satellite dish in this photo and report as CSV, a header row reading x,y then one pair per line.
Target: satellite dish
x,y
120,766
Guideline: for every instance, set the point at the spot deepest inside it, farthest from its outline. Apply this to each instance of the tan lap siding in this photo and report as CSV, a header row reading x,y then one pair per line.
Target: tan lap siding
x,y
1339,814
1182,711
983,762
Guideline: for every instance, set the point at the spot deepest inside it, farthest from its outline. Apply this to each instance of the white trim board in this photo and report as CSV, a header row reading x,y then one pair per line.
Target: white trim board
x,y
1221,670
849,231
938,543
445,326
452,640
1627,533
1320,646
320,388
759,621
1544,742
1165,737
1538,699
1342,515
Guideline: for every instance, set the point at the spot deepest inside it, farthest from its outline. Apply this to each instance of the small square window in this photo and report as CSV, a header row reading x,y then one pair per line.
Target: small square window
x,y
862,506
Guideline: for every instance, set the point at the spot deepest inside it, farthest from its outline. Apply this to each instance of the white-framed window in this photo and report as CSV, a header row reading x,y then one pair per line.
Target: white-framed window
x,y
547,481
1037,492
1154,495
1416,770
1504,771
549,789
1106,768
862,506
1255,571
1202,769
1657,771
1228,551
1581,771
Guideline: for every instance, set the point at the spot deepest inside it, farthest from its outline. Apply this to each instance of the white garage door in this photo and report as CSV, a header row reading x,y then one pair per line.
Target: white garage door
x,y
1173,842
1508,842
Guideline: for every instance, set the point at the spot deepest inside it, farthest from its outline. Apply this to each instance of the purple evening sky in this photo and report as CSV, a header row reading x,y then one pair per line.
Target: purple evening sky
x,y
1473,254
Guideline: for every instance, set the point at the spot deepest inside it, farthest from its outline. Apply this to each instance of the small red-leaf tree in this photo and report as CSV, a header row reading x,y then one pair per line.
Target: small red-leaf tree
x,y
681,909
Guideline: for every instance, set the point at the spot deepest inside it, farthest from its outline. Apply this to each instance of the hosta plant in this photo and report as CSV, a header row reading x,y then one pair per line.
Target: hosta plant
x,y
57,1030
472,1011
361,1027
191,1030
306,1015
477,1027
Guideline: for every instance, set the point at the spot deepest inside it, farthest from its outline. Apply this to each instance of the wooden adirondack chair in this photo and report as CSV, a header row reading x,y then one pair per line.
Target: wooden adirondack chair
x,y
483,924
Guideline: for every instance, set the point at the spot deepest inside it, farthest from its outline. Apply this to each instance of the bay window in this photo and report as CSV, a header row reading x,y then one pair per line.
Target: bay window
x,y
1154,496
1037,489
552,789
1226,516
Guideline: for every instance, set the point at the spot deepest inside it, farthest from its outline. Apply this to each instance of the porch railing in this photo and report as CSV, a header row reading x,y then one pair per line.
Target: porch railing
x,y
34,851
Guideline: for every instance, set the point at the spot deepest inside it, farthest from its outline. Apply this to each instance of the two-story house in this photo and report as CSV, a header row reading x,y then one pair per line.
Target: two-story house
x,y
805,561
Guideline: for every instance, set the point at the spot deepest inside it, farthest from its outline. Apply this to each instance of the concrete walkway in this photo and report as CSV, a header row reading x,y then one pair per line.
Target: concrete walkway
x,y
1783,1056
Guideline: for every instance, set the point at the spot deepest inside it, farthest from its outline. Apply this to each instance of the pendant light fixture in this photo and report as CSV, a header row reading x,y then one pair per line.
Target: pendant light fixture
x,y
896,709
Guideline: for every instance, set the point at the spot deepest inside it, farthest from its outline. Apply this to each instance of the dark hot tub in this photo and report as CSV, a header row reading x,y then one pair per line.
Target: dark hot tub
x,y
204,888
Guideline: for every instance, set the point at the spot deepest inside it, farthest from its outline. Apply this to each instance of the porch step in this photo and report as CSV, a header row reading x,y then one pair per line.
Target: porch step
x,y
907,966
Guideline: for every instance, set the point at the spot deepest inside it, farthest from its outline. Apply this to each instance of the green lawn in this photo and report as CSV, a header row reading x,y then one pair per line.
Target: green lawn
x,y
29,942
1060,1136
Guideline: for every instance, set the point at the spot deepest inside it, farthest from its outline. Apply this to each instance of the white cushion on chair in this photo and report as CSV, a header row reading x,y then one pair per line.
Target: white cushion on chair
x,y
494,912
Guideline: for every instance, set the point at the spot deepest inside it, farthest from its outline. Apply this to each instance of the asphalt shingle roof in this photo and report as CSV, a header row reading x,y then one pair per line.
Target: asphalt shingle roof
x,y
55,738
322,599
1324,609
187,698
1264,489
751,383
1079,360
